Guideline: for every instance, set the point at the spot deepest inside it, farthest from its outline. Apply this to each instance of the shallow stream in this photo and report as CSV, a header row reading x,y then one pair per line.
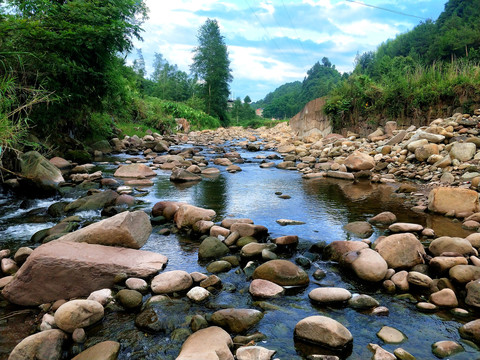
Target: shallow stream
x,y
325,205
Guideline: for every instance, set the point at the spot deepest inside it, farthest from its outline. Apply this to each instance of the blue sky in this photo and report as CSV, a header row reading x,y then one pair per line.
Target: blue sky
x,y
271,42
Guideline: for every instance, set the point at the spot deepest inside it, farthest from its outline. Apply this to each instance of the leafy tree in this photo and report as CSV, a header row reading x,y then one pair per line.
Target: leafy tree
x,y
212,66
169,82
71,48
139,64
247,100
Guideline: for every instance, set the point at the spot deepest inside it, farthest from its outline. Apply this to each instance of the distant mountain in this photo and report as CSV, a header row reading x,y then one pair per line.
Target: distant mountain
x,y
290,98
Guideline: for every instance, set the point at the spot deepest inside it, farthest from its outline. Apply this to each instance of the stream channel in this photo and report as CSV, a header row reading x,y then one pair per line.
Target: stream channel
x,y
325,205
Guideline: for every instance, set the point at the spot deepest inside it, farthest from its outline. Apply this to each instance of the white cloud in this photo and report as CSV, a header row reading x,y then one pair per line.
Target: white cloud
x,y
254,64
337,29
268,6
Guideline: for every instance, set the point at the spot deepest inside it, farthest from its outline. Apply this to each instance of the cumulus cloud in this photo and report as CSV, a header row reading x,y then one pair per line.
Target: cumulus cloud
x,y
273,42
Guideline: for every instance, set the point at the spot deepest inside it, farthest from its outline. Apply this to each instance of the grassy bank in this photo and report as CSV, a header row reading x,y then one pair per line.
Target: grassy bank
x,y
405,91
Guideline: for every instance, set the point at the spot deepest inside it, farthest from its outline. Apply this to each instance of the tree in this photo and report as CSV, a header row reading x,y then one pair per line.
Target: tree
x,y
212,66
139,64
71,48
247,100
169,82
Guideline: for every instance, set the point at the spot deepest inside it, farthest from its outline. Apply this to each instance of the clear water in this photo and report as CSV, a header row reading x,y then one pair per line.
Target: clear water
x,y
324,205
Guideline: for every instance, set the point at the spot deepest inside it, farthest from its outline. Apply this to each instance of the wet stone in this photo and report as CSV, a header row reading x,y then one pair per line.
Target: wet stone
x,y
443,349
391,335
362,302
328,295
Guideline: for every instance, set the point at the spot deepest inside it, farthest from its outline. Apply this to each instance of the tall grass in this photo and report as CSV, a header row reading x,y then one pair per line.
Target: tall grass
x,y
16,103
415,93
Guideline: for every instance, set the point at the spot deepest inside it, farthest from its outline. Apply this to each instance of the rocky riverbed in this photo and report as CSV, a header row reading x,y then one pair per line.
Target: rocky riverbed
x,y
396,278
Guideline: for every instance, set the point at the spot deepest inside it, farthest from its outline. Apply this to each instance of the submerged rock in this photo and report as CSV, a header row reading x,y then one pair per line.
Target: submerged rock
x,y
402,250
237,320
453,200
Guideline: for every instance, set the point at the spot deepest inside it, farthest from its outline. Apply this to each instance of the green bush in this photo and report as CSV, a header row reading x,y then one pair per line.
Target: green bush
x,y
198,119
404,91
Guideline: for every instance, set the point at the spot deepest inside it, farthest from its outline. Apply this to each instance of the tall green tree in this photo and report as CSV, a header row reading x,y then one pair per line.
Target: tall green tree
x,y
71,48
212,66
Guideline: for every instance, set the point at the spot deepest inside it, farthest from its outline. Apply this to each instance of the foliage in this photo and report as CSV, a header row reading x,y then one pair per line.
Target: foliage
x,y
16,103
212,65
404,92
290,98
169,83
198,119
71,48
241,112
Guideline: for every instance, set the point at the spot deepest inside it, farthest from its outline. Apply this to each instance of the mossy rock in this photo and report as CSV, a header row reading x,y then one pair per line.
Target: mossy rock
x,y
80,156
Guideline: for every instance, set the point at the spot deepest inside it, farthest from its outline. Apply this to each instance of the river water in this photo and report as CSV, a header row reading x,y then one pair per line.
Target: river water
x,y
325,205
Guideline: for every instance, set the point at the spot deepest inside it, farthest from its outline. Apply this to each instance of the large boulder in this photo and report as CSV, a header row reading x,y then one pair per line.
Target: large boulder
x,y
447,200
137,171
401,250
65,269
212,343
188,215
45,345
105,350
78,314
323,331
281,272
358,161
236,320
37,169
127,229
463,151
95,201
452,245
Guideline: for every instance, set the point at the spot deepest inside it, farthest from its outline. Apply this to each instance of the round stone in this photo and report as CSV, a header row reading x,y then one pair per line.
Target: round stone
x,y
391,335
198,294
78,314
265,289
329,295
171,281
281,272
324,331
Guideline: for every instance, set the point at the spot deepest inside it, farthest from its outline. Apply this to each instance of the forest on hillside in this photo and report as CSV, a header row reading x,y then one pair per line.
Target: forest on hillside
x,y
427,72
